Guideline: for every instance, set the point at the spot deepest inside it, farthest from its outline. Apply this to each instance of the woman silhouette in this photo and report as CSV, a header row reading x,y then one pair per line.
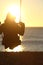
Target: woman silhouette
x,y
11,30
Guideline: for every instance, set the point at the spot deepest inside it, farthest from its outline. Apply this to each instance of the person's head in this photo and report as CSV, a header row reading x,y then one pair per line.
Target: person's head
x,y
10,18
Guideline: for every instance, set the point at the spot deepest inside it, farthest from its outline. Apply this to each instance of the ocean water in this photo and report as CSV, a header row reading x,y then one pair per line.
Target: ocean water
x,y
32,39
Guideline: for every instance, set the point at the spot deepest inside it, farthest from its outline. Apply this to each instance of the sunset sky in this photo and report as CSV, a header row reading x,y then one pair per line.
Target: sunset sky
x,y
31,11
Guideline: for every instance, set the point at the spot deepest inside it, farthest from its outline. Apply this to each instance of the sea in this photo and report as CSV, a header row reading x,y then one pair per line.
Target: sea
x,y
32,39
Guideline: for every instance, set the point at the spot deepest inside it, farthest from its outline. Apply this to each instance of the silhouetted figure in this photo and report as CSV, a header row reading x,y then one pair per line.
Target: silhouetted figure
x,y
11,30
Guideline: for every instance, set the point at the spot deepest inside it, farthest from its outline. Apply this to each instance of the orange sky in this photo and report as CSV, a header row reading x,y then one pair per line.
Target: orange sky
x,y
31,11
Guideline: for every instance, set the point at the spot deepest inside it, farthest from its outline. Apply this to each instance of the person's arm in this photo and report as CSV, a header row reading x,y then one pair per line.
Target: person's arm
x,y
21,28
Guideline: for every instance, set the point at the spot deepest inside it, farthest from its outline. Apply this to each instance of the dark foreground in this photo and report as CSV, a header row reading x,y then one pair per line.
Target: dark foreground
x,y
21,58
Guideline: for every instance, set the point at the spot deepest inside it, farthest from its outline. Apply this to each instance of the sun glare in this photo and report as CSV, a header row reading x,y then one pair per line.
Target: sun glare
x,y
19,48
15,11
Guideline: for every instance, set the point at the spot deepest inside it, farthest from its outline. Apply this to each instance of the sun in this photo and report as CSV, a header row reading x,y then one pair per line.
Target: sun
x,y
19,48
15,11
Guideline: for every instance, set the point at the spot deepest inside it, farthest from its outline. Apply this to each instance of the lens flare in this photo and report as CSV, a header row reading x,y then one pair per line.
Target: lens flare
x,y
15,11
